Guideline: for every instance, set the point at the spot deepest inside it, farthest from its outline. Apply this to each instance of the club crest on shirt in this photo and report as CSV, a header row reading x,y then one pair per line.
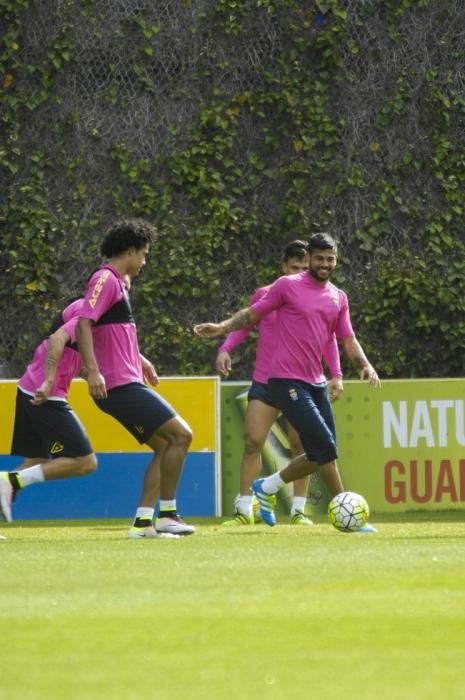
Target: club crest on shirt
x,y
293,394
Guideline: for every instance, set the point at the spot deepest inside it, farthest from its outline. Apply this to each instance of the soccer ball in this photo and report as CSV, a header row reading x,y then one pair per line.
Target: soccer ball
x,y
348,511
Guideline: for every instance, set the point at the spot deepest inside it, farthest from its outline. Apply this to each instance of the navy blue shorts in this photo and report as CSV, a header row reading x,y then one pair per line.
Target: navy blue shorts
x,y
138,408
308,410
51,429
260,392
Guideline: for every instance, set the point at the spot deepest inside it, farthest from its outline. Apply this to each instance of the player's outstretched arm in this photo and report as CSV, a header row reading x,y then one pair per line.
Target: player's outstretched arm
x,y
354,352
242,318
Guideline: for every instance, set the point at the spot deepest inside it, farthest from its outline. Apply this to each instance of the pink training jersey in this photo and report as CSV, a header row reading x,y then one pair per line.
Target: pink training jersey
x,y
266,344
72,310
115,340
309,315
69,365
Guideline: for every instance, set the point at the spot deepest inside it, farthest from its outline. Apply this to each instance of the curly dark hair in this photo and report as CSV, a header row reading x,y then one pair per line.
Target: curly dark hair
x,y
125,234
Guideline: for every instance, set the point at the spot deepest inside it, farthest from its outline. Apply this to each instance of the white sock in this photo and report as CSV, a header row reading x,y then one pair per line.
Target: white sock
x,y
31,475
298,503
272,483
167,505
144,513
244,504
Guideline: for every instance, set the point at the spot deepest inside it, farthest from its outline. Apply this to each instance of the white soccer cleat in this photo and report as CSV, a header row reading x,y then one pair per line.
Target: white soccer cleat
x,y
149,533
173,524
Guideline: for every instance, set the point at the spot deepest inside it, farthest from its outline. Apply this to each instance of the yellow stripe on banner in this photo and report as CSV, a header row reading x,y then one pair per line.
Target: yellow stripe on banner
x,y
194,398
7,414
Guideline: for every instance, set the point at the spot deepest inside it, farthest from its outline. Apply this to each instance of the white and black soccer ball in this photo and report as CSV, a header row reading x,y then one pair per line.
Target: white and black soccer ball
x,y
348,511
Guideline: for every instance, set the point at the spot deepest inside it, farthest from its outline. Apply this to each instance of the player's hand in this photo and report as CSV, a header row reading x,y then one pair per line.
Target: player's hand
x,y
42,393
223,363
335,388
208,330
369,373
96,382
149,372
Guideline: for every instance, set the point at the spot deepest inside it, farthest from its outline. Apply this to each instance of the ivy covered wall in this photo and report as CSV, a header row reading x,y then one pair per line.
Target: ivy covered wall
x,y
235,126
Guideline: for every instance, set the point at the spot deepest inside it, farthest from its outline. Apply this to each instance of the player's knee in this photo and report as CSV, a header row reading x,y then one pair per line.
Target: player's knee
x,y
181,437
296,449
185,437
252,444
87,464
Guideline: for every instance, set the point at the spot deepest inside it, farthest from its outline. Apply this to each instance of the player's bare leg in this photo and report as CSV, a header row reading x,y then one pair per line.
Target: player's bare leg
x,y
301,467
151,484
61,467
35,470
300,486
264,489
259,418
170,444
178,437
142,526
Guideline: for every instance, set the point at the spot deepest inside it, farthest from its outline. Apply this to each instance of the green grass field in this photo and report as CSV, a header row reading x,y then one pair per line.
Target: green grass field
x,y
260,612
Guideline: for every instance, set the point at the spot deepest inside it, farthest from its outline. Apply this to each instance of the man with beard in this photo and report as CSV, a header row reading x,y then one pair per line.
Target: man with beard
x,y
261,410
310,302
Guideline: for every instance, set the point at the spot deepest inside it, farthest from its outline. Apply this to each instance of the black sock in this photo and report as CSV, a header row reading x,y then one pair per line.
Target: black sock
x,y
167,513
142,522
14,481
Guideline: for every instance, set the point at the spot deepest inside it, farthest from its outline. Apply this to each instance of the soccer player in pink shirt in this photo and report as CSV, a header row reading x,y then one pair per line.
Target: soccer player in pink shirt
x,y
107,340
47,432
262,411
310,303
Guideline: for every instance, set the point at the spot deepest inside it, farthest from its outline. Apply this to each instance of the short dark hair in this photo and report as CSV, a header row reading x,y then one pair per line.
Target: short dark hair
x,y
125,234
296,249
321,241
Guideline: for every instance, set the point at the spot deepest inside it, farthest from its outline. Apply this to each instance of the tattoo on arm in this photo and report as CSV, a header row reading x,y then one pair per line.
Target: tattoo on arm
x,y
242,318
52,356
50,363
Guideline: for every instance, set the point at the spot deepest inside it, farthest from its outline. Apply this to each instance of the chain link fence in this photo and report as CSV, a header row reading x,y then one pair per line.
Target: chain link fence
x,y
111,98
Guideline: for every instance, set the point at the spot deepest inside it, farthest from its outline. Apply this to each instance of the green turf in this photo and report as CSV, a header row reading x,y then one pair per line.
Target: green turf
x,y
272,613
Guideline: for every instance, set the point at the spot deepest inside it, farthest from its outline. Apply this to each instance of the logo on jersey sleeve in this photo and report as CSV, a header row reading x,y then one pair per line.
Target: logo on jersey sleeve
x,y
98,288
